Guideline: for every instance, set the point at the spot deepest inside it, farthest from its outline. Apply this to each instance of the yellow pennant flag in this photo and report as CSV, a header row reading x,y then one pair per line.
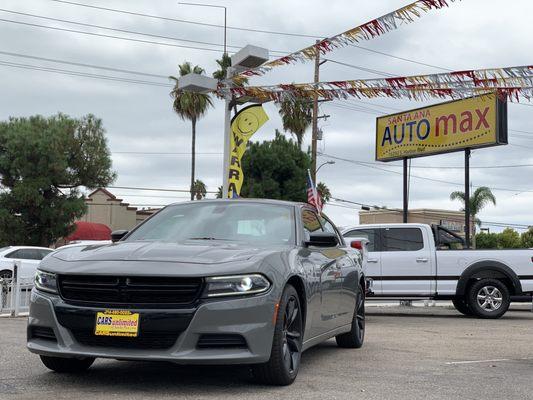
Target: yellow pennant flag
x,y
243,125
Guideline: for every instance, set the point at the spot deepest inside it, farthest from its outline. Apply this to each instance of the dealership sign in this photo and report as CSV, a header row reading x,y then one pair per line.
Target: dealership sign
x,y
475,122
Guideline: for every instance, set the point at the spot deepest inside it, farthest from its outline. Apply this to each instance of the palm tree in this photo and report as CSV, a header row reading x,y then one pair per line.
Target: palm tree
x,y
296,115
190,106
223,64
323,192
481,197
199,189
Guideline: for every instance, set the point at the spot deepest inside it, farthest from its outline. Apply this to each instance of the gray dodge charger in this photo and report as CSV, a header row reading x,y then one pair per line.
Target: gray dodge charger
x,y
208,282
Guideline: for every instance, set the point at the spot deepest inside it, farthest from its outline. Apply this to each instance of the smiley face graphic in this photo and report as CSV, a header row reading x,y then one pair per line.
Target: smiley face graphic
x,y
247,123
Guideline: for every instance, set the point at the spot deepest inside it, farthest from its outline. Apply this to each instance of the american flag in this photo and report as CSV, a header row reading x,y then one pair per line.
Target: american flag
x,y
313,197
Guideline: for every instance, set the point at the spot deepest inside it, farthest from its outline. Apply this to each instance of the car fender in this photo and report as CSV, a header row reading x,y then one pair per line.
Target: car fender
x,y
488,269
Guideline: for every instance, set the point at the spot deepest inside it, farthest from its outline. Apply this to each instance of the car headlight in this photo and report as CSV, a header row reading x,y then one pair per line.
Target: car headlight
x,y
236,285
46,281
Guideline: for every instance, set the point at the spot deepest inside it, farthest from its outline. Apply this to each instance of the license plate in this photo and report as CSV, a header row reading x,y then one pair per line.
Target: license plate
x,y
117,323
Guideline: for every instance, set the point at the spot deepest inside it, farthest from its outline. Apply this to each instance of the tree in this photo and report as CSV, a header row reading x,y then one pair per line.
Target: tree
x,y
275,169
481,197
487,240
199,189
219,192
323,192
190,106
43,162
223,65
509,239
296,115
526,238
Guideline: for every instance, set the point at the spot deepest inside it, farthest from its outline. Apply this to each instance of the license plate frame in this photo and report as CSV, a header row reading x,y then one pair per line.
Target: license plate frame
x,y
121,323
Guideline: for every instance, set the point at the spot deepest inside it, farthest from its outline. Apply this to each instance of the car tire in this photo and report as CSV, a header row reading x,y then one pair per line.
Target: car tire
x,y
6,274
461,305
489,298
356,337
284,363
64,365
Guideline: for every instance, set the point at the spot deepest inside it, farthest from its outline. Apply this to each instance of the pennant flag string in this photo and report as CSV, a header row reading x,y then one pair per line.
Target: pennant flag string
x,y
510,81
367,31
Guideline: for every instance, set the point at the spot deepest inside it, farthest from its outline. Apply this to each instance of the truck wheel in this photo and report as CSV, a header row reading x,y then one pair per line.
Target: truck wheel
x,y
71,365
355,338
284,362
461,305
488,298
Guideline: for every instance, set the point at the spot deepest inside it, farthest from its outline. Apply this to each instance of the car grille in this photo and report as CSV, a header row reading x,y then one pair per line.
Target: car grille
x,y
146,340
157,329
41,332
135,291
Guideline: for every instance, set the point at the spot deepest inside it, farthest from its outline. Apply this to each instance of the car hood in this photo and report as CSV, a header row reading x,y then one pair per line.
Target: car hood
x,y
201,252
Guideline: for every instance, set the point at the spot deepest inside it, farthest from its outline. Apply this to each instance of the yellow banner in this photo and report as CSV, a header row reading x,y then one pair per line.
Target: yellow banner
x,y
469,123
243,125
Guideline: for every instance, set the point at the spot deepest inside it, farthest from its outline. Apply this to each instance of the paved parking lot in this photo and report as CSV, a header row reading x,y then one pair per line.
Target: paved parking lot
x,y
410,353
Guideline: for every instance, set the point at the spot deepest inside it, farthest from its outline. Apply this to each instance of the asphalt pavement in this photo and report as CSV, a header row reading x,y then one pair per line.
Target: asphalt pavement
x,y
410,353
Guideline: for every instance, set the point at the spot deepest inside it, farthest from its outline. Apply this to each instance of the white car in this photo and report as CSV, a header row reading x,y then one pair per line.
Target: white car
x,y
416,261
29,258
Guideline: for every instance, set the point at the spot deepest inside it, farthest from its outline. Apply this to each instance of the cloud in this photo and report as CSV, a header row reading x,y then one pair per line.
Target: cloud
x,y
139,118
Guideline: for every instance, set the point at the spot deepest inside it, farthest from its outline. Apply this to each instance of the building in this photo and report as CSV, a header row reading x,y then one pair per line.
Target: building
x,y
451,220
103,207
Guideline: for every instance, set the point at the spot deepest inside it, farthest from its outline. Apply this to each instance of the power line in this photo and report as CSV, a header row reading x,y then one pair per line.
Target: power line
x,y
371,70
77,64
82,74
109,36
122,30
416,176
154,189
188,21
164,153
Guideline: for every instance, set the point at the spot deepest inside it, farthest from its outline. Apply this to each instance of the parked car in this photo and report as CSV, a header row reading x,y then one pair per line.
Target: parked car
x,y
28,256
415,261
211,282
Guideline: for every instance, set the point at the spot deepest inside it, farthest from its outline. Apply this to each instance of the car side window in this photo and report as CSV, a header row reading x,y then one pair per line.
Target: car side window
x,y
370,234
402,239
13,254
310,222
328,227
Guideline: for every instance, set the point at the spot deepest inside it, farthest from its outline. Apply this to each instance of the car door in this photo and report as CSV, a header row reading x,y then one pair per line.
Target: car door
x,y
326,275
372,267
347,279
405,262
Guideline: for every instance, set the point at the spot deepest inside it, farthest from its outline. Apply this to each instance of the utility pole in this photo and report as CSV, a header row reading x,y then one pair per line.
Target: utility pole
x,y
467,198
314,133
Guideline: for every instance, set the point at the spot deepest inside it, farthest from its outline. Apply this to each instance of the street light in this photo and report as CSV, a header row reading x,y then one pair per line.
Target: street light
x,y
330,162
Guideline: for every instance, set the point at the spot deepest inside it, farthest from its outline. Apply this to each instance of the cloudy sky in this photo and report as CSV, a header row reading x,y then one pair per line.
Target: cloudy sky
x,y
139,118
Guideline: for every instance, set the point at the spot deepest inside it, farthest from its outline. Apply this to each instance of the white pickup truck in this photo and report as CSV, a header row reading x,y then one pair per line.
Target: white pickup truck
x,y
414,261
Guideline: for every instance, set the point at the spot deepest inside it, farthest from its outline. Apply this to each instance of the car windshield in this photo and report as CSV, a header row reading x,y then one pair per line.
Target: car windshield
x,y
257,223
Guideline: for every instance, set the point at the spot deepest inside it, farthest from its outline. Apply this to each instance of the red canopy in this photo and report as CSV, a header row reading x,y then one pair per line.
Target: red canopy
x,y
90,231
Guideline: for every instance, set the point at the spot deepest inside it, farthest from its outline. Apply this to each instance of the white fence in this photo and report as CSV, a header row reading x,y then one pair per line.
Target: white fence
x,y
15,294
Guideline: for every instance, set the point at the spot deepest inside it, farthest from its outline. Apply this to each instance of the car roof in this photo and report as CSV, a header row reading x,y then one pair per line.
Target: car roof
x,y
27,247
261,201
397,225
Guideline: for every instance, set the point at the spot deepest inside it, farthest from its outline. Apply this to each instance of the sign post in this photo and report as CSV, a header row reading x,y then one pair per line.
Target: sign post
x,y
405,191
467,198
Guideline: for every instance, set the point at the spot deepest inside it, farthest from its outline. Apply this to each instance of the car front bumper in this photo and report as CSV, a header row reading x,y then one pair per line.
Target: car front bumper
x,y
250,317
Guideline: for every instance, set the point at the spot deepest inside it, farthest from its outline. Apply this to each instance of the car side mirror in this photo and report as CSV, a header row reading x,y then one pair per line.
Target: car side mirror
x,y
322,239
117,235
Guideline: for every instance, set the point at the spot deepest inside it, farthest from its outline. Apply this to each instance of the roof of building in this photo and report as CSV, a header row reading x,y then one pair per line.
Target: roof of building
x,y
413,211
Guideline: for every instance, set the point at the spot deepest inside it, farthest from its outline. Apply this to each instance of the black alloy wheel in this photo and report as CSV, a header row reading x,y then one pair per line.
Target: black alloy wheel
x,y
356,337
292,335
284,363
